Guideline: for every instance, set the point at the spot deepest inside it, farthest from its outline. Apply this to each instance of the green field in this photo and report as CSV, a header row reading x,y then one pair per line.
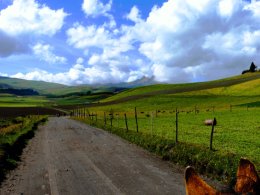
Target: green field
x,y
237,130
242,85
7,100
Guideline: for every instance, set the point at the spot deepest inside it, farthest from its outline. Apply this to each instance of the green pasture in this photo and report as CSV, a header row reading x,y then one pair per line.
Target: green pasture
x,y
184,101
22,101
242,85
76,100
237,130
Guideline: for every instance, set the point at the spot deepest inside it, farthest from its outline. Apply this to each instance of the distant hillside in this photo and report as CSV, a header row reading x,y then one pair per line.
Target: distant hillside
x,y
247,84
43,88
54,89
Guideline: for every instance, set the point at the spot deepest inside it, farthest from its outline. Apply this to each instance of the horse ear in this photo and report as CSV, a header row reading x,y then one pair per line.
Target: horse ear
x,y
247,178
195,185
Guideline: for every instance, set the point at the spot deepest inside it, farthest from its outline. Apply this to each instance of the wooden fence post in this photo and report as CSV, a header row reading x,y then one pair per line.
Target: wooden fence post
x,y
105,119
176,138
136,120
117,120
151,123
126,122
111,120
211,135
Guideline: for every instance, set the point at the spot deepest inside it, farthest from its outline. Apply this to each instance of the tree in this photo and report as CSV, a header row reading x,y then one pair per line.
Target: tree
x,y
252,67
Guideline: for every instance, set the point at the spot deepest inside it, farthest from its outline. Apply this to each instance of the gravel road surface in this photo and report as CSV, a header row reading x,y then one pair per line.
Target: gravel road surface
x,y
69,157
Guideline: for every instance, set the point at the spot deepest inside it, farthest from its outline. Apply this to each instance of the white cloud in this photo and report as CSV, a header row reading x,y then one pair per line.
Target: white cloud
x,y
45,53
80,61
254,7
3,74
227,7
12,45
28,16
22,22
92,36
112,44
134,15
96,8
80,74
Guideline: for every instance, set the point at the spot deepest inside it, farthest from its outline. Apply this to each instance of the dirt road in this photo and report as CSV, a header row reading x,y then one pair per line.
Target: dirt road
x,y
68,157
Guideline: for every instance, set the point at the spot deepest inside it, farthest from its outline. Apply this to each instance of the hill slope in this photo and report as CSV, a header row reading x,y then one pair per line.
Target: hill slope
x,y
247,84
42,87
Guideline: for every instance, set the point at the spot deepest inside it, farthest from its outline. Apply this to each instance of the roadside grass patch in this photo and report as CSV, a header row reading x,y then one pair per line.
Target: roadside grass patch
x,y
13,141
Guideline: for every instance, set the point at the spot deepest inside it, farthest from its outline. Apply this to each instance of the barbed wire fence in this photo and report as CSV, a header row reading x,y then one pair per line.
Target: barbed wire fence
x,y
180,125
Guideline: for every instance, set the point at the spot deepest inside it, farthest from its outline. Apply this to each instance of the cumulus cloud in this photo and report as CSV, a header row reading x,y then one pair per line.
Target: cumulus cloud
x,y
91,36
45,53
11,45
80,74
111,44
134,15
25,20
28,16
96,8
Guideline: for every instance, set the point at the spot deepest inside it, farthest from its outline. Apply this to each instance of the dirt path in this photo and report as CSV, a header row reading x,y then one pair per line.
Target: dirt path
x,y
68,157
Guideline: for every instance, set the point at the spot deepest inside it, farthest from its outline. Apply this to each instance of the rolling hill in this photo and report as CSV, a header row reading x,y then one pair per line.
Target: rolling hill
x,y
54,89
39,86
242,85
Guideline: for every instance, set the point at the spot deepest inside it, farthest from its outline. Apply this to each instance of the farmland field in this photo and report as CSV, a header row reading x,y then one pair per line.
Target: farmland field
x,y
7,100
237,131
10,112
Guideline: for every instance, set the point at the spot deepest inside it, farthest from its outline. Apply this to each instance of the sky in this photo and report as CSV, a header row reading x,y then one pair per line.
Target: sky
x,y
111,41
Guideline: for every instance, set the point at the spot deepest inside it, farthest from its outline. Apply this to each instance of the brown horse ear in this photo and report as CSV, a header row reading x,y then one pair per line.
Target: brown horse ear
x,y
195,185
247,178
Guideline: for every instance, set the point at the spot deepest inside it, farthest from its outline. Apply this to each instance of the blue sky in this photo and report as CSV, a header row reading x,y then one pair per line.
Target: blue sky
x,y
110,41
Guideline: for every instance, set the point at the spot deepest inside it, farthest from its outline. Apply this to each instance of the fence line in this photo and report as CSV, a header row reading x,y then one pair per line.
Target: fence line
x,y
163,121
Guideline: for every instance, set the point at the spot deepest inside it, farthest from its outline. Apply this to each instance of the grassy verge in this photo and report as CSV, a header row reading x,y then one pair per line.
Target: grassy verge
x,y
13,138
215,164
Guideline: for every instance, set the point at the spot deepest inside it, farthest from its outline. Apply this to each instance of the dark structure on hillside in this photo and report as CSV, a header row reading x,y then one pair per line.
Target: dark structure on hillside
x,y
253,68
